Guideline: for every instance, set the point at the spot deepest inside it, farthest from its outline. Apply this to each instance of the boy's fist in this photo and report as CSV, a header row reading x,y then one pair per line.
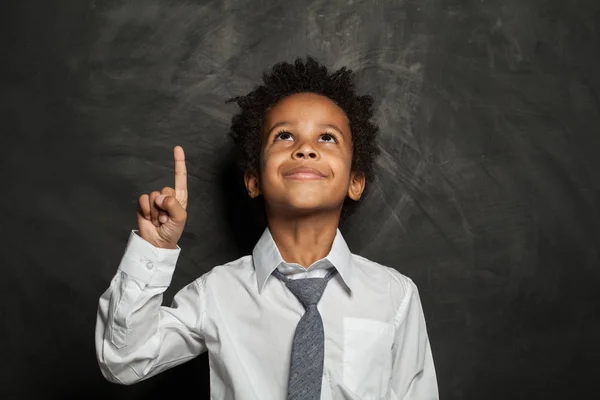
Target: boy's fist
x,y
161,215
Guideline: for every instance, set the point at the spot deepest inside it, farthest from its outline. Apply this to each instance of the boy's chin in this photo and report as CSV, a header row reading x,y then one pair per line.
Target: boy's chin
x,y
307,208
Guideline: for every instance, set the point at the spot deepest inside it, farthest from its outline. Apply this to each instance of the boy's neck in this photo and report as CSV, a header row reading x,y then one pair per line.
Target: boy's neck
x,y
306,239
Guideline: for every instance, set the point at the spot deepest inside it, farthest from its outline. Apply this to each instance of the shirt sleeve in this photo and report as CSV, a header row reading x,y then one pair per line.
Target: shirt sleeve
x,y
136,337
413,371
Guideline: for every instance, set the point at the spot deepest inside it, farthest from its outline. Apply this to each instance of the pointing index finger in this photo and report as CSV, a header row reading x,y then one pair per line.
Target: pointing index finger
x,y
180,174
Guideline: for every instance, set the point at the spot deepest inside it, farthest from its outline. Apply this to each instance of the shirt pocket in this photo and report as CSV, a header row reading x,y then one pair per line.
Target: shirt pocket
x,y
367,357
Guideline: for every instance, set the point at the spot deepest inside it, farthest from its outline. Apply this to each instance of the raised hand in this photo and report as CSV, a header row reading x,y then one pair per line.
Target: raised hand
x,y
161,215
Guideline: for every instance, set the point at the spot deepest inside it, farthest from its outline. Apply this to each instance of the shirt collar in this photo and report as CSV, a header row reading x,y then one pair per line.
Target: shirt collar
x,y
266,258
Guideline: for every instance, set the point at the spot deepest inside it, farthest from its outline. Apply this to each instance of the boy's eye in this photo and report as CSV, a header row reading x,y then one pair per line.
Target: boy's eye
x,y
328,137
283,135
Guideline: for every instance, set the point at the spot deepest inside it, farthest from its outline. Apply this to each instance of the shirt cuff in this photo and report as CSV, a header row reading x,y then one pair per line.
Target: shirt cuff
x,y
147,263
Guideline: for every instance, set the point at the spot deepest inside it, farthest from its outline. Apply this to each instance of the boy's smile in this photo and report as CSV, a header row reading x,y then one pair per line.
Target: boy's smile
x,y
304,172
306,156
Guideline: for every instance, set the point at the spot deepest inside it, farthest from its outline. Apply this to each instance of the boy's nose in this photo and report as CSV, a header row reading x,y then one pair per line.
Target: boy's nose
x,y
306,153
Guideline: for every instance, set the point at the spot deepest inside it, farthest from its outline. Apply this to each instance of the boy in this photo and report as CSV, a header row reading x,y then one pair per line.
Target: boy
x,y
302,317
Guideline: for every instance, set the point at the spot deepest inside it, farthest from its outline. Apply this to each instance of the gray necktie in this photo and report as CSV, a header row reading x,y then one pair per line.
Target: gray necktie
x,y
306,366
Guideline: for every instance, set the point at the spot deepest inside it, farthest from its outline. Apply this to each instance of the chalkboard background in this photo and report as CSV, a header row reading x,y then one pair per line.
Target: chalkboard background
x,y
487,195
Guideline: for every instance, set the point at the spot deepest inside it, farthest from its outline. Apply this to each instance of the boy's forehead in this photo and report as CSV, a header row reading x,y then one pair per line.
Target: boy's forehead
x,y
301,106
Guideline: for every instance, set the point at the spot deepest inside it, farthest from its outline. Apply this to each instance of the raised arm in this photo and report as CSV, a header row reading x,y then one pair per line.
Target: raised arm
x,y
136,337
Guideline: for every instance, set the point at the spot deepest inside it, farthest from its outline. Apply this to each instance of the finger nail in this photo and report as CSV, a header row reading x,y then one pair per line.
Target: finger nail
x,y
163,218
160,199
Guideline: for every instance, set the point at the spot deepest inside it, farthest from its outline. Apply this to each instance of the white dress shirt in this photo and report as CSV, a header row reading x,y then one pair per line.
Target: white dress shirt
x,y
376,343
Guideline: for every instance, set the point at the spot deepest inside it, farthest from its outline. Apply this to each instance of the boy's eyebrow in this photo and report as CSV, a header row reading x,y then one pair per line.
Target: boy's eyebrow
x,y
277,125
333,126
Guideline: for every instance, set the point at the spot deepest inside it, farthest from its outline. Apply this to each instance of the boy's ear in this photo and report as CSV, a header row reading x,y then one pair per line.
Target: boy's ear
x,y
252,184
357,185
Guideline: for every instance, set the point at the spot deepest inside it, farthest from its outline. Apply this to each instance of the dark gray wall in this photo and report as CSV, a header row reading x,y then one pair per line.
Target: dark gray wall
x,y
487,196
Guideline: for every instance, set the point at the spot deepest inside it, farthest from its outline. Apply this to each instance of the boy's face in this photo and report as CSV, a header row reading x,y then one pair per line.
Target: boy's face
x,y
306,157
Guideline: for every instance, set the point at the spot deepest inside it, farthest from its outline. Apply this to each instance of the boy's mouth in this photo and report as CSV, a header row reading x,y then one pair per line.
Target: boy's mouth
x,y
304,173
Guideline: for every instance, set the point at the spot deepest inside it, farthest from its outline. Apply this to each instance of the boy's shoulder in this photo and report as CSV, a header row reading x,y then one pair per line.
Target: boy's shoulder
x,y
380,280
381,274
232,271
237,266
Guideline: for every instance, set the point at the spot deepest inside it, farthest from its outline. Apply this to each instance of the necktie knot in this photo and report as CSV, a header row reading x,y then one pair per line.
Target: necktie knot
x,y
309,291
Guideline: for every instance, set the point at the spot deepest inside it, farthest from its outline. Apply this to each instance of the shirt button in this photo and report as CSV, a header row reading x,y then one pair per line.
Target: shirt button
x,y
149,265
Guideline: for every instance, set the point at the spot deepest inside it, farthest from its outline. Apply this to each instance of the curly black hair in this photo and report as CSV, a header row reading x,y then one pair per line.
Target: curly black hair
x,y
286,79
